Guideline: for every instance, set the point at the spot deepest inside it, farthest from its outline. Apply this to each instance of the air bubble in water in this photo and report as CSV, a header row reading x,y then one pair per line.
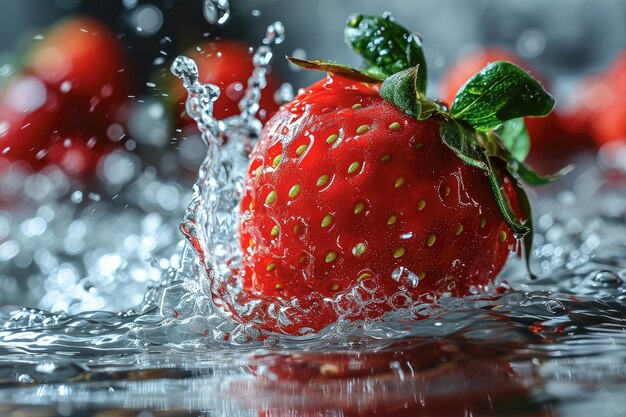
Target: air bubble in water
x,y
216,12
403,275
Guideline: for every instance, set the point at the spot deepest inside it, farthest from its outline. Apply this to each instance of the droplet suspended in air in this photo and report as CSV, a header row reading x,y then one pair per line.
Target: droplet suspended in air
x,y
275,34
216,12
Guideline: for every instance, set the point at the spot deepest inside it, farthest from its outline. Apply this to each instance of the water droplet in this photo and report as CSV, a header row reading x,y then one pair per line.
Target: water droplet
x,y
388,15
263,56
607,279
77,197
25,379
216,12
275,34
284,94
403,275
554,306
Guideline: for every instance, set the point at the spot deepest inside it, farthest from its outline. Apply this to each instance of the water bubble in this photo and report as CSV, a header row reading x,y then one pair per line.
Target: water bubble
x,y
403,275
216,12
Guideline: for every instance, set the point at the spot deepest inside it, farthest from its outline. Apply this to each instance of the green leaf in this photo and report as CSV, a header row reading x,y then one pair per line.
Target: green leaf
x,y
401,90
462,141
531,177
337,69
497,187
514,137
386,45
501,91
415,57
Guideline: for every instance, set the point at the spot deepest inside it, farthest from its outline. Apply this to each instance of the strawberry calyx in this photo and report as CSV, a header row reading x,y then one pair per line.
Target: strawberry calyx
x,y
484,126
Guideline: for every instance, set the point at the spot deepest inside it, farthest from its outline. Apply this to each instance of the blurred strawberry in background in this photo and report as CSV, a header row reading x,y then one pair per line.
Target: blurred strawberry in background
x,y
228,64
553,137
28,114
64,108
601,103
82,57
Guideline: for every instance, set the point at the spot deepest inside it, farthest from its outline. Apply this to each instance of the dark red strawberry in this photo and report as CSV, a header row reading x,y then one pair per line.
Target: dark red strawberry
x,y
228,64
362,197
554,136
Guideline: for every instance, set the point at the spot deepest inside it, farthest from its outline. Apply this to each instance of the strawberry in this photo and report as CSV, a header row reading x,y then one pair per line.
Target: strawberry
x,y
363,196
553,137
601,104
60,108
228,64
28,113
83,57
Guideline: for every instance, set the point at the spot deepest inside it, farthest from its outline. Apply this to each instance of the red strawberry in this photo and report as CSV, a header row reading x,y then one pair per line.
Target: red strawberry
x,y
61,108
344,190
552,136
601,103
82,57
227,64
28,113
365,197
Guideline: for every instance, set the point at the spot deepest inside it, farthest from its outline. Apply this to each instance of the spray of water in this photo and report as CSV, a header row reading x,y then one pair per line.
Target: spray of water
x,y
210,222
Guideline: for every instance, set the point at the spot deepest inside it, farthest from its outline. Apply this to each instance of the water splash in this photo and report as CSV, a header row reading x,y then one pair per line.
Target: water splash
x,y
210,222
551,343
